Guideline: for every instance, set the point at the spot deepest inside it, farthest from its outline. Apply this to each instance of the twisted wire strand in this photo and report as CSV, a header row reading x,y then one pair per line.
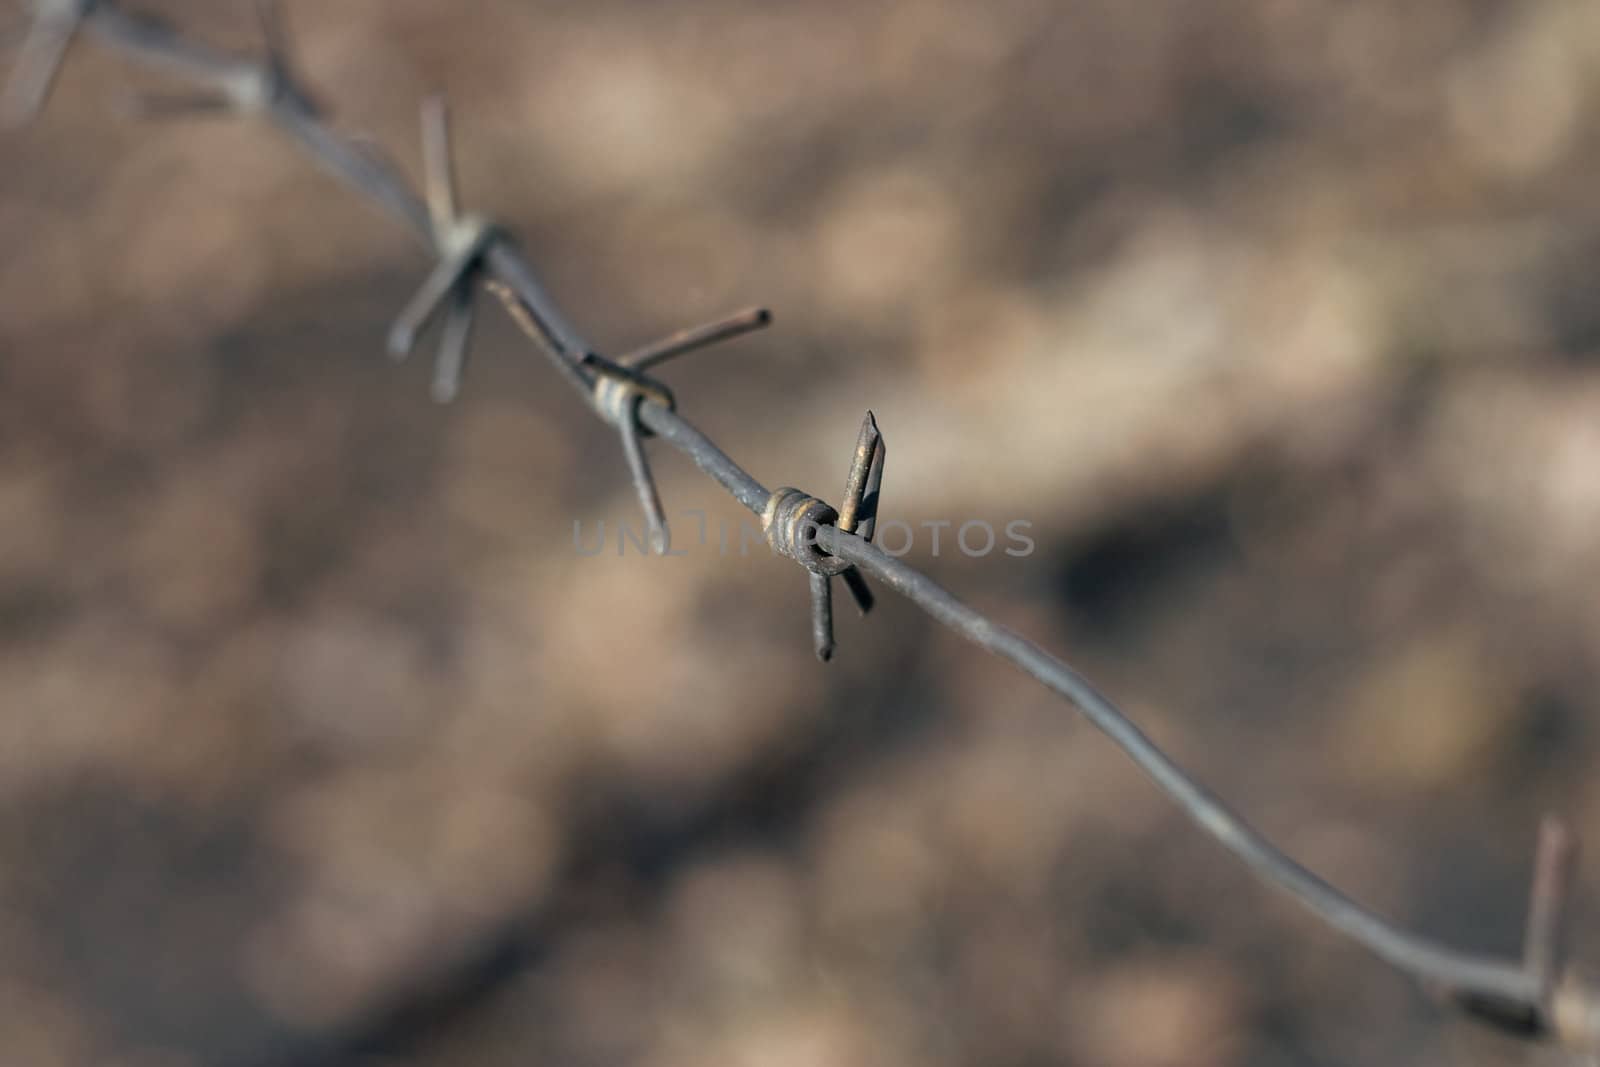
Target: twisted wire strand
x,y
1523,997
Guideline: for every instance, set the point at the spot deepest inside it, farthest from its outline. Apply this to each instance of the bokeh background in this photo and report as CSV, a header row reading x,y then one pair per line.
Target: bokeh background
x,y
320,746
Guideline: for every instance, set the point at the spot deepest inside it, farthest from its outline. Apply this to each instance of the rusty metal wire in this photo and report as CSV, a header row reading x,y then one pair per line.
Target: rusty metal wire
x,y
1537,998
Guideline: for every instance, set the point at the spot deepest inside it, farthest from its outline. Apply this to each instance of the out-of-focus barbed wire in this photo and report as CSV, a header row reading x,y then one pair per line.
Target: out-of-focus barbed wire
x,y
1538,997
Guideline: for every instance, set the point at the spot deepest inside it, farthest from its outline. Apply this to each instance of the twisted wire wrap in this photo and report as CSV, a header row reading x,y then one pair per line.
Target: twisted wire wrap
x,y
791,521
617,396
469,236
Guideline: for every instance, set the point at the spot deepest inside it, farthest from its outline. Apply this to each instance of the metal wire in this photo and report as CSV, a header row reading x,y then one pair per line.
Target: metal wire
x,y
1525,997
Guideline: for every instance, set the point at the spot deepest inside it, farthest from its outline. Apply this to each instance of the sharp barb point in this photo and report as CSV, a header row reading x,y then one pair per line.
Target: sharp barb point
x,y
1555,867
644,484
402,339
453,344
872,494
438,163
822,615
866,459
697,337
400,345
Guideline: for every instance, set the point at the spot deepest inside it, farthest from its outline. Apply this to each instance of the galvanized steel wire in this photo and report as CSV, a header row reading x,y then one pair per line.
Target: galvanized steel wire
x,y
1534,997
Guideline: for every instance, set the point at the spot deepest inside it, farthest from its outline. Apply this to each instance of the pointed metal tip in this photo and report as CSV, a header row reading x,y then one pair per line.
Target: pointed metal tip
x,y
400,342
435,110
453,342
821,615
1554,832
859,506
697,337
1555,868
1556,855
439,176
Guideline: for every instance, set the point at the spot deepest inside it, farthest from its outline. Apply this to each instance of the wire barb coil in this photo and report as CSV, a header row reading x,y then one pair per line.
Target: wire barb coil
x,y
792,521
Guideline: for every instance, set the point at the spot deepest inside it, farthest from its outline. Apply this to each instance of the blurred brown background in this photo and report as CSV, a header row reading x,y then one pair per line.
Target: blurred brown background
x,y
1277,319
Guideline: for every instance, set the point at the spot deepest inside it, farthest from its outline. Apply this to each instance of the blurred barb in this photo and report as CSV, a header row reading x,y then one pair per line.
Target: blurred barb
x,y
1555,867
695,337
462,241
1534,997
39,61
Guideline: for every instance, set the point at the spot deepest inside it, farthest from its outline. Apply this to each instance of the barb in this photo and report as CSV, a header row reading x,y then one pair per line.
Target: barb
x,y
697,337
43,53
1535,997
1555,867
618,392
462,241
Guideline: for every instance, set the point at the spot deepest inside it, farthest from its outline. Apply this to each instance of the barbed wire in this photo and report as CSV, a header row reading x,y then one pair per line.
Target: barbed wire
x,y
1538,997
